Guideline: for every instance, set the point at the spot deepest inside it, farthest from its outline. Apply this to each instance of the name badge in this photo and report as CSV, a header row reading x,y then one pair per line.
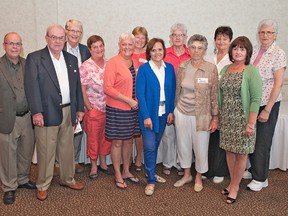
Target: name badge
x,y
202,80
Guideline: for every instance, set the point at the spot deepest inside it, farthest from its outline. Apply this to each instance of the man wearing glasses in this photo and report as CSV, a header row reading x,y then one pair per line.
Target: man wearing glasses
x,y
53,90
74,30
16,133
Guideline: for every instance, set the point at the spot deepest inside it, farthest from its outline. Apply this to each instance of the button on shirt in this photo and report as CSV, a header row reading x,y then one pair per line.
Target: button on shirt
x,y
62,75
160,74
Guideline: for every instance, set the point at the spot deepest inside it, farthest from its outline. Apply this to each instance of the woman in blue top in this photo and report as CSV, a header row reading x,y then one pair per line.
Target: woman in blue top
x,y
155,90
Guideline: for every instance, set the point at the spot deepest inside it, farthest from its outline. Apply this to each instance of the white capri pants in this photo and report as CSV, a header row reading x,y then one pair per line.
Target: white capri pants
x,y
189,140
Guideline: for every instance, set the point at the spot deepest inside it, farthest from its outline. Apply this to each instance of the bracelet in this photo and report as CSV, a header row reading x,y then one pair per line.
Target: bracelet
x,y
249,126
266,111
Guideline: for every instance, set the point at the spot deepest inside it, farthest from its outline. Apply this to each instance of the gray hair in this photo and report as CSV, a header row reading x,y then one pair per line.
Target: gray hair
x,y
200,38
126,35
73,22
178,26
268,22
53,26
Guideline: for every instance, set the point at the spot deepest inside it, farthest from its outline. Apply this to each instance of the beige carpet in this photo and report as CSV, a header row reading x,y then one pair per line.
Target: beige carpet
x,y
101,197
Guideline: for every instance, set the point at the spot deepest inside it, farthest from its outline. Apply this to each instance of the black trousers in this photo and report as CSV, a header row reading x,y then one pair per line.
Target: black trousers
x,y
217,165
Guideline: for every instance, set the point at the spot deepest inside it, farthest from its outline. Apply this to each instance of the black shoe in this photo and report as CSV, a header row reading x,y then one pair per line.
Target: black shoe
x,y
9,197
225,192
106,171
230,200
29,185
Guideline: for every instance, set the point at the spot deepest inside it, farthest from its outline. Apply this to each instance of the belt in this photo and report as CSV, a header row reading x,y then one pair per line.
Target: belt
x,y
65,105
21,114
161,103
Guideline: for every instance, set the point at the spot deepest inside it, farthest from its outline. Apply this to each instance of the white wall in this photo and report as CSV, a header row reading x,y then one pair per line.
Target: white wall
x,y
109,18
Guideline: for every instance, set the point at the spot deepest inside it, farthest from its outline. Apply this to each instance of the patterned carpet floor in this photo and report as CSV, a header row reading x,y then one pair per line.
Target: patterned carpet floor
x,y
101,197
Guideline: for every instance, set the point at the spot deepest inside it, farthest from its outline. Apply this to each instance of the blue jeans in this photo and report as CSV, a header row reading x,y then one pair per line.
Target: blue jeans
x,y
151,141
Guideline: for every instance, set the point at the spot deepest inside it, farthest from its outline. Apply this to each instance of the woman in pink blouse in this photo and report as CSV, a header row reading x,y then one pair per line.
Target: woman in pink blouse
x,y
122,123
92,78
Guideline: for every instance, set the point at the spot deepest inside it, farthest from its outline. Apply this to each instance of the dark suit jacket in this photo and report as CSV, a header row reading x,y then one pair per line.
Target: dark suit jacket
x,y
84,51
43,90
7,98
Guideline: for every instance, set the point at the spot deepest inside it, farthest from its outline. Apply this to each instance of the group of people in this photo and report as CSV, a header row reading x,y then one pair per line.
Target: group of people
x,y
214,110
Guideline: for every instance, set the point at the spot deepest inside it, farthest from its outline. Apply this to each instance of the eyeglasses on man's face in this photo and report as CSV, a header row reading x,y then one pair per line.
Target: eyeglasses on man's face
x,y
55,38
12,44
74,31
268,33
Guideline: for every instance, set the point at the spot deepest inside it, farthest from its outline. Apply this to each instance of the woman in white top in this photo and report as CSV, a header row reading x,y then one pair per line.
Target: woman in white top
x,y
216,156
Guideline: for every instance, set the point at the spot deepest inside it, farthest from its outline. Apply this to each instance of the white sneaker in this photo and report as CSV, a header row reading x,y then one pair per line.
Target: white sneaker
x,y
247,175
218,179
257,185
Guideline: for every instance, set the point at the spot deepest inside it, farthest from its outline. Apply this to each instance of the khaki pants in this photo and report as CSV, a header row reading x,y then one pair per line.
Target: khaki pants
x,y
51,142
16,150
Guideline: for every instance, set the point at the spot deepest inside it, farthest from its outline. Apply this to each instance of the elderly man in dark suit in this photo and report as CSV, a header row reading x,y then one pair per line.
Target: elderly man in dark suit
x,y
53,90
16,133
74,32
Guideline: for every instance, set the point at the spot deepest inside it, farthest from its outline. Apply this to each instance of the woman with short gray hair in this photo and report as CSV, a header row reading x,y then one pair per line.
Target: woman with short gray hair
x,y
270,60
196,112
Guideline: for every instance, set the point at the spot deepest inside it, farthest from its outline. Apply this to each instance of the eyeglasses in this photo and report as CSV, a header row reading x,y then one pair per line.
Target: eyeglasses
x,y
178,35
74,31
54,38
268,33
11,44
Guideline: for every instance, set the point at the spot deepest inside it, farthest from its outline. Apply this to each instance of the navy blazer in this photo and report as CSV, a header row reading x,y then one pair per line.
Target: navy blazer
x,y
43,90
148,94
84,51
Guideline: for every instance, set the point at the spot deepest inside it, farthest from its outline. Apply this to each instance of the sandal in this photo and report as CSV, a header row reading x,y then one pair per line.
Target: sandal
x,y
93,176
138,168
160,179
230,200
166,170
132,179
225,192
117,184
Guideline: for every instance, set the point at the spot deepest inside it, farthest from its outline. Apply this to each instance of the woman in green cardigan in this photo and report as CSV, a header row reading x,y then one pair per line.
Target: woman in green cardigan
x,y
240,92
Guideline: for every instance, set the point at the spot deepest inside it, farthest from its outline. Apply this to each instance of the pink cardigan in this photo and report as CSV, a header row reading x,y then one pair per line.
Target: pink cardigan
x,y
117,80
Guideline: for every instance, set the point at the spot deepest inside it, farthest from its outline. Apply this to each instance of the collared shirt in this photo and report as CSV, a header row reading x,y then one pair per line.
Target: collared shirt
x,y
76,52
206,92
92,76
17,76
160,74
62,75
172,58
213,59
272,60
